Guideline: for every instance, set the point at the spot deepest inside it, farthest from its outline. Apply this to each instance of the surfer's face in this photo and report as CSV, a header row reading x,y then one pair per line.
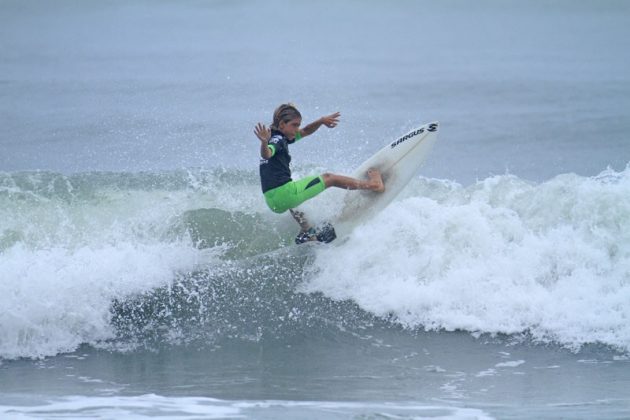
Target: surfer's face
x,y
290,128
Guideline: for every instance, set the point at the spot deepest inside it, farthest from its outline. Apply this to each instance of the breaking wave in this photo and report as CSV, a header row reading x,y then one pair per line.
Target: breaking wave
x,y
147,259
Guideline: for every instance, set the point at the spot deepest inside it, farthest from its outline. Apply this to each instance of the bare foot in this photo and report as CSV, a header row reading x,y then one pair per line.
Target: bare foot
x,y
376,182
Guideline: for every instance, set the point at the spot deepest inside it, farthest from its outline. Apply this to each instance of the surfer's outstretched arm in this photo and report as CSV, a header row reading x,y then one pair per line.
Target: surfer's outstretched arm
x,y
329,121
373,183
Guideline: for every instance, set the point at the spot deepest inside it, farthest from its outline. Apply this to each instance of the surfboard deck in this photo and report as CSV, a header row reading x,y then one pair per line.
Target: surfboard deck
x,y
398,161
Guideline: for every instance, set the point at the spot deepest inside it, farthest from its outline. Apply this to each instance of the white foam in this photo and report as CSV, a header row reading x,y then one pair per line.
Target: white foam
x,y
69,257
152,406
140,407
55,299
513,363
502,256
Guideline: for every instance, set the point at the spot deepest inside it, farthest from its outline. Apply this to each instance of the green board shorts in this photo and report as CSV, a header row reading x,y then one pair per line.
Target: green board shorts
x,y
294,193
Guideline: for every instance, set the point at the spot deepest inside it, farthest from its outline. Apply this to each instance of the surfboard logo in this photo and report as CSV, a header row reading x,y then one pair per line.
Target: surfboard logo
x,y
430,128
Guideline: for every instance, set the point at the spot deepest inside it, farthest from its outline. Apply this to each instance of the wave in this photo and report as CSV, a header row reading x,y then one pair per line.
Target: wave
x,y
502,256
145,259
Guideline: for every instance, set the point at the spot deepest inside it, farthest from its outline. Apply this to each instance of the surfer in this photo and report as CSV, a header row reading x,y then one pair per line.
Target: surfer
x,y
280,191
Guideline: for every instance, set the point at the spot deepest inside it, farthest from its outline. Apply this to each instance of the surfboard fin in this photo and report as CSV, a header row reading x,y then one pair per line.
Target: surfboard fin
x,y
324,233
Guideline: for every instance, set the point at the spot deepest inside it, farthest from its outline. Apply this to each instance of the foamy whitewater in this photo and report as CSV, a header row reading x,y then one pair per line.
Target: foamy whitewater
x,y
502,256
142,274
550,260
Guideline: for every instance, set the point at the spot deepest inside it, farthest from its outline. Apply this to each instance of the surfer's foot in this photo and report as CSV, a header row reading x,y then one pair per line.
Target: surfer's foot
x,y
323,233
375,180
306,236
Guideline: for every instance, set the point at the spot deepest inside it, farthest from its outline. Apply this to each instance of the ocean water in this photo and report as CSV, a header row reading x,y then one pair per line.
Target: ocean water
x,y
141,274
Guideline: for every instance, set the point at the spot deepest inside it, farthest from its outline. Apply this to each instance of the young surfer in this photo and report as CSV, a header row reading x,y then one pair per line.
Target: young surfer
x,y
280,191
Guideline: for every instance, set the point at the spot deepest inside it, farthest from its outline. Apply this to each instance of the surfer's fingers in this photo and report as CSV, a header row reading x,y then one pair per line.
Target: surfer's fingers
x,y
260,128
262,132
331,120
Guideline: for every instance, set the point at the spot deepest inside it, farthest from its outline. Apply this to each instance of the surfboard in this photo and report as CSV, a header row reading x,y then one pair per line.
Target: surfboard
x,y
399,160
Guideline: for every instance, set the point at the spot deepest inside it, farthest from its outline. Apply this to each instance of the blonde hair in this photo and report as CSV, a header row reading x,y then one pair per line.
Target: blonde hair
x,y
284,113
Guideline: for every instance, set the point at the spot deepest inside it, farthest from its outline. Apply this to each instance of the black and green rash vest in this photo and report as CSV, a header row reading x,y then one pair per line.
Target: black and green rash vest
x,y
275,171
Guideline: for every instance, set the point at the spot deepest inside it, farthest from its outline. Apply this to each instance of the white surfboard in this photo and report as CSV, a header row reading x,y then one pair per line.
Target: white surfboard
x,y
398,161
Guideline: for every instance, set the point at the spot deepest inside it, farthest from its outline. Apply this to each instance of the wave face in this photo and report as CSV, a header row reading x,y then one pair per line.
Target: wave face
x,y
128,260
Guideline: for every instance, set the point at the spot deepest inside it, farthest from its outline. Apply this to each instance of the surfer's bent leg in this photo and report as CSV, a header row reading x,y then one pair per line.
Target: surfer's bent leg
x,y
294,193
373,183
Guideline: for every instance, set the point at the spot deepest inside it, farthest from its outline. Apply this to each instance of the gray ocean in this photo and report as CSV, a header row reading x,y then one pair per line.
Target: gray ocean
x,y
142,275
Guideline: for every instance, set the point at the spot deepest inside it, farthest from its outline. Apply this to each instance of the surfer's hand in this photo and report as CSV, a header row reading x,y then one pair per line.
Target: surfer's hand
x,y
331,120
262,132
